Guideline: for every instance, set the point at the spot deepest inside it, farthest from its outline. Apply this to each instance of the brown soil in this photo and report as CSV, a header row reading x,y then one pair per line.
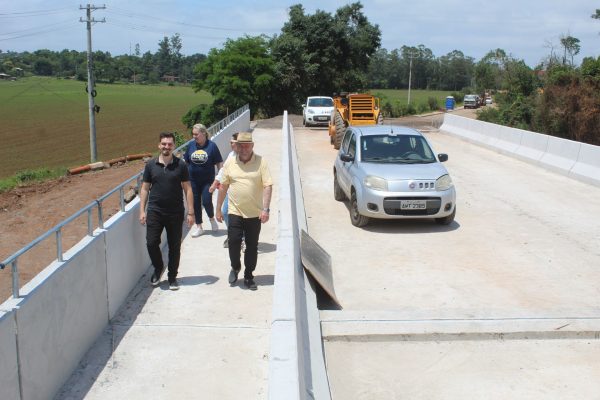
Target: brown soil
x,y
27,212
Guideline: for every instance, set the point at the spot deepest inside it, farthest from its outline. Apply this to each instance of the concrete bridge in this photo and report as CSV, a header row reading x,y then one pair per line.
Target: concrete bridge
x,y
503,303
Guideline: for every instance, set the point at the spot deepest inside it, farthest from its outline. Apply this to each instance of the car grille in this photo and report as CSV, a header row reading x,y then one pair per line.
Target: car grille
x,y
321,118
391,206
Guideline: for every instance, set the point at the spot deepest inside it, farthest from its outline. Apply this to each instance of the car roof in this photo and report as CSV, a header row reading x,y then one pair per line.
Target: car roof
x,y
319,97
371,130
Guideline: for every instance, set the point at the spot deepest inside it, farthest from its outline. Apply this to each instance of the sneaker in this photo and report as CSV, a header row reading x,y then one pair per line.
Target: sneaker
x,y
213,225
250,284
197,230
155,279
233,276
173,284
226,243
243,247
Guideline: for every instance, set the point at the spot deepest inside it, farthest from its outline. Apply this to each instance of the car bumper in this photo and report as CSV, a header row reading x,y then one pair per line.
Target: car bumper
x,y
387,205
318,119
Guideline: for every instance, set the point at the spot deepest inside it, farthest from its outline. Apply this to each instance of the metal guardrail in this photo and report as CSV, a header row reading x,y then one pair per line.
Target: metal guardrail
x,y
57,230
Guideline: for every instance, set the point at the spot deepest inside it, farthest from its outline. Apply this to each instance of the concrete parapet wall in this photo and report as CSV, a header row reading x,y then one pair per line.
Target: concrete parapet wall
x,y
587,166
241,124
561,155
575,159
9,369
126,258
297,365
62,312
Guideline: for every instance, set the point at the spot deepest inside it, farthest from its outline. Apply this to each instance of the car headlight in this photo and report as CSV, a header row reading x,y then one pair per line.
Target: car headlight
x,y
311,111
443,183
375,183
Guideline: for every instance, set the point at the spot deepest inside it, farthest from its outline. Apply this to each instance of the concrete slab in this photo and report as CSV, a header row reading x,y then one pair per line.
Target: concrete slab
x,y
516,251
207,340
512,369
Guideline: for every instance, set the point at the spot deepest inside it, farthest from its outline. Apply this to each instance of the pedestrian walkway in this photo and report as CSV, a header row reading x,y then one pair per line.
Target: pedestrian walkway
x,y
208,340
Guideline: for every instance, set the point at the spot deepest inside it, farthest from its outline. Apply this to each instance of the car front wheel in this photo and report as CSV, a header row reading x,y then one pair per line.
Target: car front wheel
x,y
447,220
355,217
338,193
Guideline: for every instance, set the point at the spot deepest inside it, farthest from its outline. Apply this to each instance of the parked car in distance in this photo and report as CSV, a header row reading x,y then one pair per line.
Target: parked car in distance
x,y
488,101
471,101
391,172
317,110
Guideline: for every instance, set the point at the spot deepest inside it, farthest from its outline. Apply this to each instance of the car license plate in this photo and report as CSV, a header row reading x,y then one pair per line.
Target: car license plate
x,y
321,118
413,204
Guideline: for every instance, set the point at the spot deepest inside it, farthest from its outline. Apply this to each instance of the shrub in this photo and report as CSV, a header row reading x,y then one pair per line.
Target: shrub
x,y
433,103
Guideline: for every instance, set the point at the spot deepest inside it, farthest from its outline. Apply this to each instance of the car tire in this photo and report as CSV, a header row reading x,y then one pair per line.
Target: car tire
x,y
338,193
340,130
446,220
356,218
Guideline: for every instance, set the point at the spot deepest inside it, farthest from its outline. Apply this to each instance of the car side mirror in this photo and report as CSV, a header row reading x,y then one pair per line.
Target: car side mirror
x,y
303,105
443,157
346,157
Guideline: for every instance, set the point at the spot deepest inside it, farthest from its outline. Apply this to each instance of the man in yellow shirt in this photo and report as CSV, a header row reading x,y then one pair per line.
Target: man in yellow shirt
x,y
247,181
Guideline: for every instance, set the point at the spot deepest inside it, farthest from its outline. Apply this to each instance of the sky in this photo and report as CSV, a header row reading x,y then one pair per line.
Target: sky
x,y
526,29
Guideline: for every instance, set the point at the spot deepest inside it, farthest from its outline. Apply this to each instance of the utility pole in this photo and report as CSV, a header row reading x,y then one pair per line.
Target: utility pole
x,y
90,85
411,55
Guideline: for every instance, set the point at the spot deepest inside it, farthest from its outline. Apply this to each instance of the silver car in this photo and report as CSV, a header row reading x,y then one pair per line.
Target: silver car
x,y
391,172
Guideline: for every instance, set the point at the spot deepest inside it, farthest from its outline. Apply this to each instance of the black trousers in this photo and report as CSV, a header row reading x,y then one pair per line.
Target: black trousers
x,y
249,229
173,223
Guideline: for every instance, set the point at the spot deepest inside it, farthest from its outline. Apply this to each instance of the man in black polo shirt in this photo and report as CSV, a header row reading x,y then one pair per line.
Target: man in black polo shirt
x,y
164,178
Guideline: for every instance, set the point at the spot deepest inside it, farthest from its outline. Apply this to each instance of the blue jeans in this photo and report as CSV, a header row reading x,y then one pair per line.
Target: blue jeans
x,y
202,198
224,210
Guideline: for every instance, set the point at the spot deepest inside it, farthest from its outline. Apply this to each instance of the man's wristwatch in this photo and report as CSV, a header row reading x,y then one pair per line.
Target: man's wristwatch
x,y
266,210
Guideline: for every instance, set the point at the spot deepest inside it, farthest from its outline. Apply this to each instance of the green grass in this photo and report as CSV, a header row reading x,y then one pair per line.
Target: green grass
x,y
44,121
416,96
28,176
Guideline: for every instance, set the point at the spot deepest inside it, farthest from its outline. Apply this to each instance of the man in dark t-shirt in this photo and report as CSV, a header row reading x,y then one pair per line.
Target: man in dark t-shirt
x,y
164,178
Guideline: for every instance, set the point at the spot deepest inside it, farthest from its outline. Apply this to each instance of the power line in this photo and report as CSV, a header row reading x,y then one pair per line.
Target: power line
x,y
131,14
35,33
144,28
36,27
38,13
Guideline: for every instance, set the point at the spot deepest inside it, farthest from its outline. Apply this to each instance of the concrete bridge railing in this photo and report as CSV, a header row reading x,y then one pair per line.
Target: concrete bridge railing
x,y
296,356
54,319
577,160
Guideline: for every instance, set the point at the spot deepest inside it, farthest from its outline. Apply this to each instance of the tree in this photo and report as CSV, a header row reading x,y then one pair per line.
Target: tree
x,y
240,73
571,46
163,57
457,70
175,45
323,53
43,66
490,70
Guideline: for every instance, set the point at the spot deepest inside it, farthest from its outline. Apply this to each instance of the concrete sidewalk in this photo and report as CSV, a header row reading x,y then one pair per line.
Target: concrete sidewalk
x,y
208,340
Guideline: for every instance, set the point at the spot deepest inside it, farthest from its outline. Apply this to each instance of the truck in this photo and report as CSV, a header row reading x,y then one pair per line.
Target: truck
x,y
352,109
471,101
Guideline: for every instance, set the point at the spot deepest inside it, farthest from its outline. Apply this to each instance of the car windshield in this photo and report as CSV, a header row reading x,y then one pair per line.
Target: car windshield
x,y
320,102
398,149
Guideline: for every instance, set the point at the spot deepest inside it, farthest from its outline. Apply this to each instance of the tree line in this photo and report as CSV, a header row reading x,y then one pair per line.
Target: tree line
x,y
167,63
325,53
